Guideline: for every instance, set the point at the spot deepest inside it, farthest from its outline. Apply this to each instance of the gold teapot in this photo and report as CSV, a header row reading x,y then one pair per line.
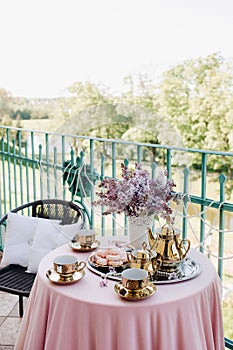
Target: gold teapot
x,y
169,248
143,258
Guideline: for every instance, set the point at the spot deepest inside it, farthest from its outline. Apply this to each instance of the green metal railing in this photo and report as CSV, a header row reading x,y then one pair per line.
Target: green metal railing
x,y
35,164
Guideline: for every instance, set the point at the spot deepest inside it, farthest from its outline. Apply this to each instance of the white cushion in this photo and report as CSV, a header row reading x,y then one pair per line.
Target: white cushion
x,y
48,236
67,233
28,239
18,239
45,240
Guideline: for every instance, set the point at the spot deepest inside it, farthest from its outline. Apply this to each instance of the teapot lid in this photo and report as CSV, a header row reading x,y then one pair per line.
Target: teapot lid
x,y
143,253
168,231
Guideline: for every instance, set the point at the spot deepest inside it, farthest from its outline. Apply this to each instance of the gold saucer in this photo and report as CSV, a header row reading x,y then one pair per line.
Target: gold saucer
x,y
139,294
76,246
55,277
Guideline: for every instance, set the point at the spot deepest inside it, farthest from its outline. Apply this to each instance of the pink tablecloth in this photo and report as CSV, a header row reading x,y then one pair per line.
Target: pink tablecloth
x,y
84,316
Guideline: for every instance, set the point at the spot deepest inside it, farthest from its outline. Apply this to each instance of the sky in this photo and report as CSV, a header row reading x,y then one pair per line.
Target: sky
x,y
46,45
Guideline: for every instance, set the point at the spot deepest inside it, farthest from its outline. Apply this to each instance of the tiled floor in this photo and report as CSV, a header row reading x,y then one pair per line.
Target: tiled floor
x,y
9,320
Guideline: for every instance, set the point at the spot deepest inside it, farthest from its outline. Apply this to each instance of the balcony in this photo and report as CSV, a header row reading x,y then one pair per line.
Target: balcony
x,y
38,165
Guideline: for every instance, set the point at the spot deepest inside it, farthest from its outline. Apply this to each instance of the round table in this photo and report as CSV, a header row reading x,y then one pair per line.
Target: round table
x,y
84,316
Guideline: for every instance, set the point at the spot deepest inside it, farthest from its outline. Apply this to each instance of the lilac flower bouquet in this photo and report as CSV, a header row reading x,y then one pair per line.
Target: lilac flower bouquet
x,y
137,194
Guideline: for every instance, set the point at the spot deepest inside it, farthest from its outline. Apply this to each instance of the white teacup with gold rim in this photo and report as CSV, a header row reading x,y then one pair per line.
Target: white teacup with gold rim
x,y
85,238
134,279
67,265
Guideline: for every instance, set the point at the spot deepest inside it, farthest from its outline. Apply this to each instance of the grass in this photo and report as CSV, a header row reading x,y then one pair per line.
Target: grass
x,y
227,310
227,307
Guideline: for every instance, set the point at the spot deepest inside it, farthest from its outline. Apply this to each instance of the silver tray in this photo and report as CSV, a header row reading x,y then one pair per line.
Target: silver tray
x,y
189,268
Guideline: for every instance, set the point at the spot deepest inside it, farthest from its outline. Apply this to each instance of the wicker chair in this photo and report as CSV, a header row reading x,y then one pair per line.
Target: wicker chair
x,y
13,278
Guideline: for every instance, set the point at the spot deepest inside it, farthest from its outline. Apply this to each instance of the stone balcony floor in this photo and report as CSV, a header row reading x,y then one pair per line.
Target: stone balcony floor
x,y
9,320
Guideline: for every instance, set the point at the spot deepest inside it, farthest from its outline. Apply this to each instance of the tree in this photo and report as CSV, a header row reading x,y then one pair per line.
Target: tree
x,y
91,111
5,105
81,97
197,98
139,90
140,102
133,116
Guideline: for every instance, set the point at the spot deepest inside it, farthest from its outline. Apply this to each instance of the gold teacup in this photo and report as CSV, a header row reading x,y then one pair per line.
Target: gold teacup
x,y
85,238
67,265
134,279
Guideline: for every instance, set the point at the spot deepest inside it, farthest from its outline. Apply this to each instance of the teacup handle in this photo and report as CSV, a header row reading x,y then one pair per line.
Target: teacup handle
x,y
80,265
130,257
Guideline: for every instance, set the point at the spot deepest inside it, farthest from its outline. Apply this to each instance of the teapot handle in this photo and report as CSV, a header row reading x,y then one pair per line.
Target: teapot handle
x,y
144,245
185,244
156,262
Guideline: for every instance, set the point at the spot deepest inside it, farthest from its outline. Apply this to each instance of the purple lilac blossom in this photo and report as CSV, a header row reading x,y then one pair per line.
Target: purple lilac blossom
x,y
137,194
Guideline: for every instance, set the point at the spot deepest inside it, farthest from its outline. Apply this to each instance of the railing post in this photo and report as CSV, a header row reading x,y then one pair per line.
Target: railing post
x,y
41,170
1,245
169,163
72,163
4,176
9,165
63,147
47,163
15,172
222,180
55,170
126,163
153,169
113,175
139,154
27,173
203,196
185,203
72,156
102,173
92,190
33,165
20,166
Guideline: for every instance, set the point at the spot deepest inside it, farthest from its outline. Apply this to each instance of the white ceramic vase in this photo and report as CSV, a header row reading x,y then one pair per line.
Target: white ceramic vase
x,y
138,229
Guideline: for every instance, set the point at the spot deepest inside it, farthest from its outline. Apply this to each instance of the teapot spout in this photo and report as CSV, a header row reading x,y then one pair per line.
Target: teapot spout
x,y
151,239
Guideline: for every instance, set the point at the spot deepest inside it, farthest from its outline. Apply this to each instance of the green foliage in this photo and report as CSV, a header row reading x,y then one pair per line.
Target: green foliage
x,y
21,114
5,107
23,108
139,91
227,310
197,97
81,97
